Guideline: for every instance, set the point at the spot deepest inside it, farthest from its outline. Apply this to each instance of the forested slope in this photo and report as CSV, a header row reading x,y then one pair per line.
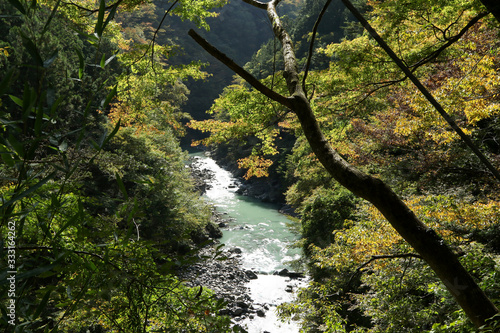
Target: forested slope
x,y
97,206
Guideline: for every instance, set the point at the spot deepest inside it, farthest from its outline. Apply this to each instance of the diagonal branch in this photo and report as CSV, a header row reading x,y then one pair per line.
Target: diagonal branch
x,y
255,3
437,106
238,69
493,7
311,44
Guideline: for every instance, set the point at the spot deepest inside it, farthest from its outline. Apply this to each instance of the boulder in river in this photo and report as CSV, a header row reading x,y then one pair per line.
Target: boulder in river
x,y
251,275
235,250
292,275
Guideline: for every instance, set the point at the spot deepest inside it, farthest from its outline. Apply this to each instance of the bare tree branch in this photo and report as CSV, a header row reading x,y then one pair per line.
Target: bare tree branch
x,y
238,69
255,3
311,44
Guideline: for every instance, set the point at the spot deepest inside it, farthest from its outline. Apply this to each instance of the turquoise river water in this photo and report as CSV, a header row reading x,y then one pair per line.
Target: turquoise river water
x,y
263,234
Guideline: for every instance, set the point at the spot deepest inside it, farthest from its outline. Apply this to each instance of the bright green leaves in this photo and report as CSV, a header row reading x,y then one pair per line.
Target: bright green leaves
x,y
149,96
102,23
198,11
241,113
18,5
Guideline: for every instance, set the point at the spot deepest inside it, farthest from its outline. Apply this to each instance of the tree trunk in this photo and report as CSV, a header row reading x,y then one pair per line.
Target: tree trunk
x,y
424,240
493,7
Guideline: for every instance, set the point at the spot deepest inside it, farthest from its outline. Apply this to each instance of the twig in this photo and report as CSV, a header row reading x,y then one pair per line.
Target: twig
x,y
311,44
238,69
449,42
378,257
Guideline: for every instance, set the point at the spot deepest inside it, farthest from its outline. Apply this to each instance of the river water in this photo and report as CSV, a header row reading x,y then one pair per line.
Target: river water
x,y
263,235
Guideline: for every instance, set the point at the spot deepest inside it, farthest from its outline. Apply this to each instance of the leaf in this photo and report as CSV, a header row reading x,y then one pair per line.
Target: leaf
x,y
35,272
18,5
43,302
82,63
16,100
110,96
28,191
99,28
52,14
49,61
111,15
7,156
38,121
16,145
111,135
32,50
121,186
92,39
103,61
109,59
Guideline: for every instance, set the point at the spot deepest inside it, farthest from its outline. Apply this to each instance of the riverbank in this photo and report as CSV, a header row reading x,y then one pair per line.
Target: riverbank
x,y
252,291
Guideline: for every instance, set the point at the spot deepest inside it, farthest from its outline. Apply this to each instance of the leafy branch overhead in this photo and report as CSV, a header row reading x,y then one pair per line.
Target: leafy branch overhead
x,y
424,240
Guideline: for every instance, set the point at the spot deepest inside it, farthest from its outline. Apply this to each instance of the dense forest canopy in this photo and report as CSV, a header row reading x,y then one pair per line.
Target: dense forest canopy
x,y
98,208
364,121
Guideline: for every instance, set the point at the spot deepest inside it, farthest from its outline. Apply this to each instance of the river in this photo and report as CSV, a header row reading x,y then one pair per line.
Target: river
x,y
264,236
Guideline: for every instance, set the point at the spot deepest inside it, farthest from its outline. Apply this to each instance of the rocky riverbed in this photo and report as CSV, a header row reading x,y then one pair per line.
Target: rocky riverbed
x,y
220,269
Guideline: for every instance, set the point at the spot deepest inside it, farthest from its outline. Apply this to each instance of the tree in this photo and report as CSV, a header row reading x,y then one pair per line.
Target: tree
x,y
93,219
424,240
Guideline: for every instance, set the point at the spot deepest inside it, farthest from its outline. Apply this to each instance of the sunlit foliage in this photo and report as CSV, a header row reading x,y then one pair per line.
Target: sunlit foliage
x,y
99,217
365,278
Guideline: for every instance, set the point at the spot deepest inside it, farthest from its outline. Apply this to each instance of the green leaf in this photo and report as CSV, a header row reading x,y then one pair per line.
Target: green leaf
x,y
99,28
111,15
92,39
103,61
54,107
110,96
52,14
121,186
16,145
111,135
109,60
43,302
32,50
28,191
5,83
7,156
16,100
35,272
82,63
18,5
38,121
